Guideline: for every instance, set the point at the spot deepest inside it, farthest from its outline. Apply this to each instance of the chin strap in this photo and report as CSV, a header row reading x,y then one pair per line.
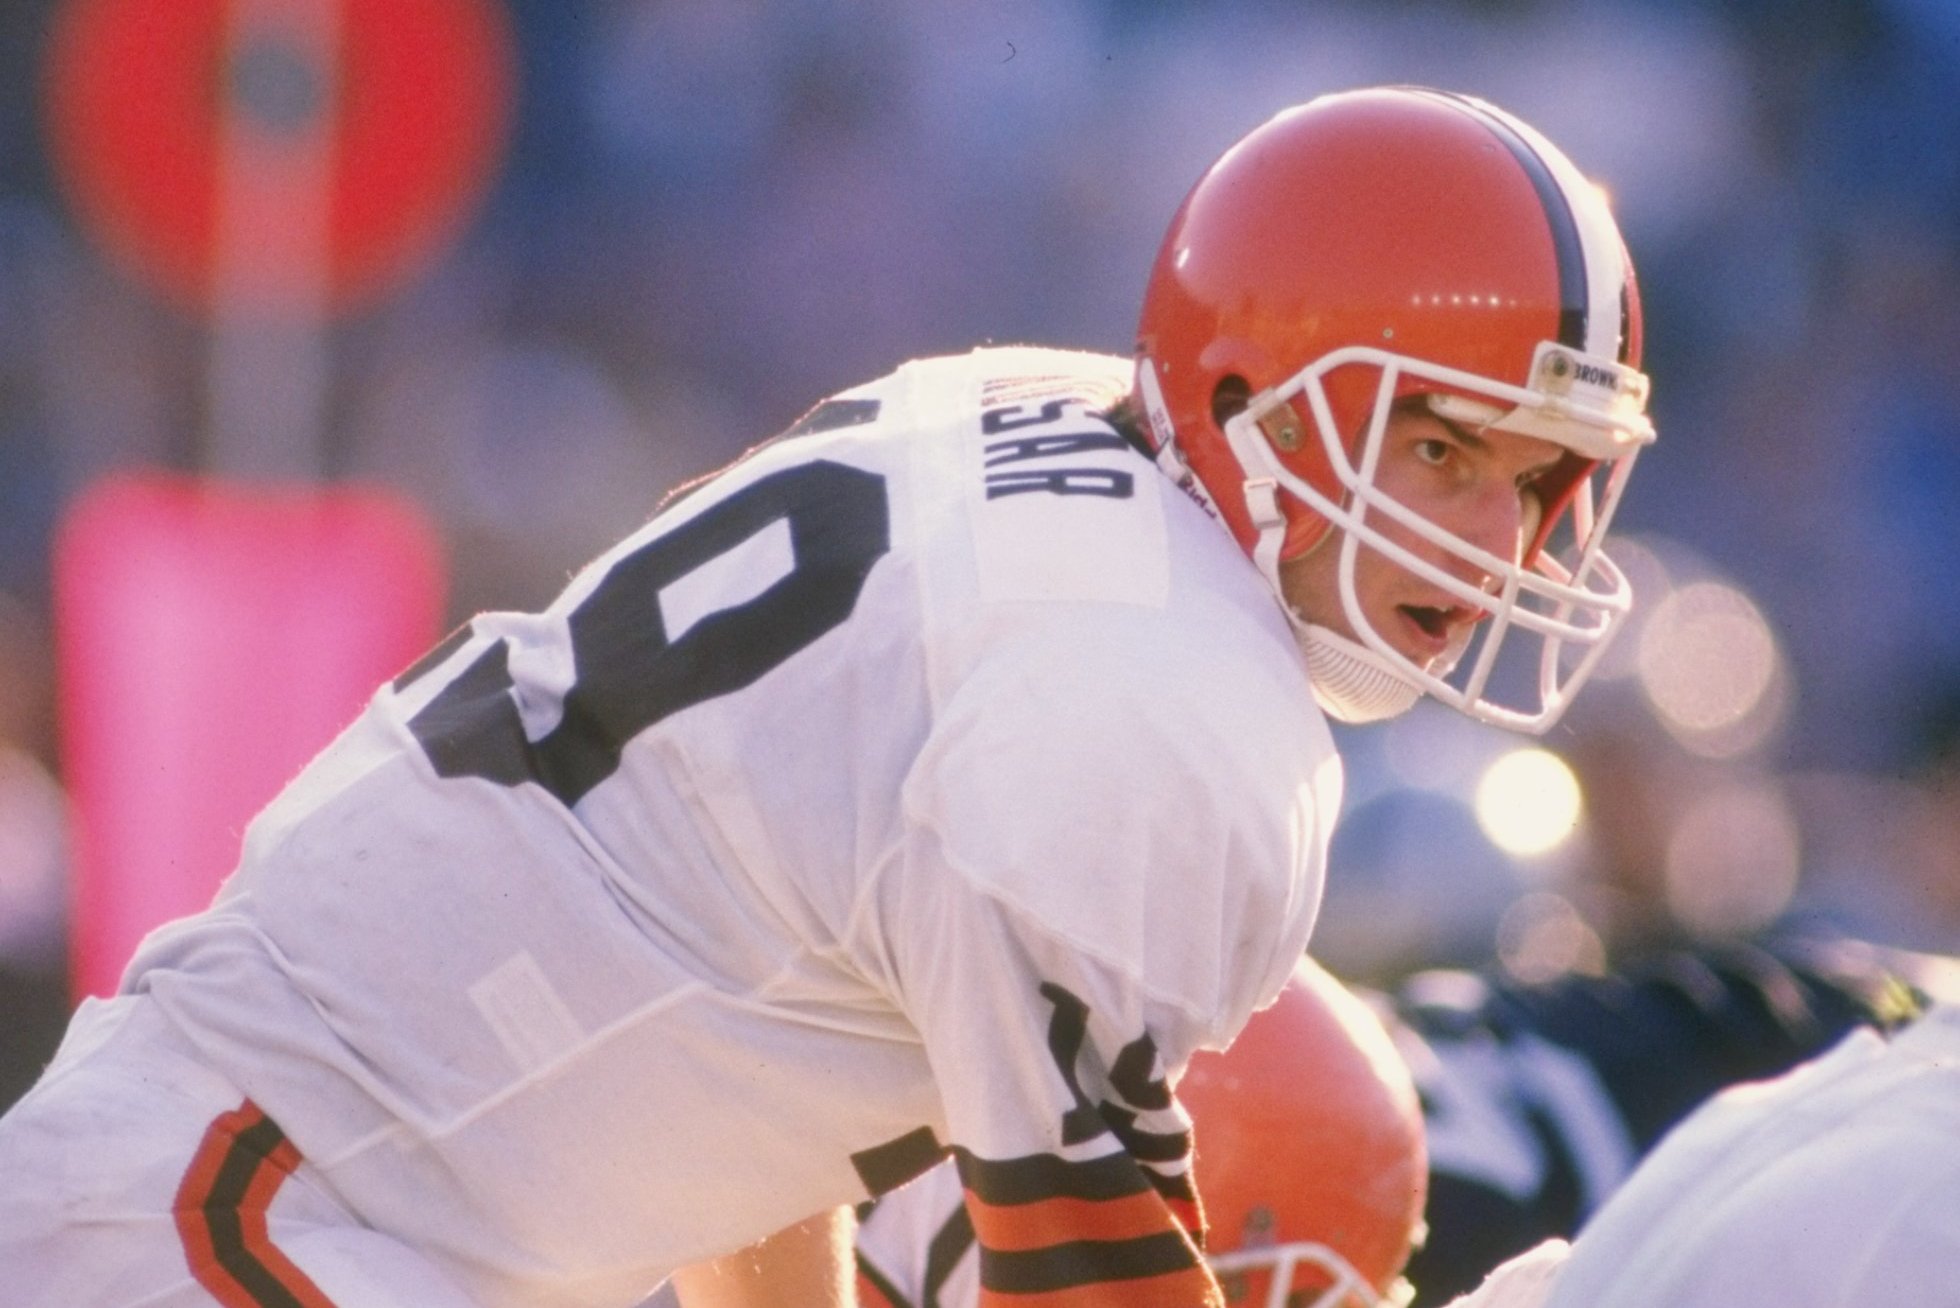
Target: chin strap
x,y
1351,682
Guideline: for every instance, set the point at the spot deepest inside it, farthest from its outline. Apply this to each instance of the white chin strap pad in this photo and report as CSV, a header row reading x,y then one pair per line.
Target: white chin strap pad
x,y
1351,682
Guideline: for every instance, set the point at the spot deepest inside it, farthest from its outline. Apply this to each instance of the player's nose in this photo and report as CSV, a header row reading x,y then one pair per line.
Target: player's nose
x,y
1494,520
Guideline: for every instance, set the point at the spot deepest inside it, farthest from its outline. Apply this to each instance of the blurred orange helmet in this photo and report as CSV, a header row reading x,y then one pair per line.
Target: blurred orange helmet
x,y
1373,246
1309,1153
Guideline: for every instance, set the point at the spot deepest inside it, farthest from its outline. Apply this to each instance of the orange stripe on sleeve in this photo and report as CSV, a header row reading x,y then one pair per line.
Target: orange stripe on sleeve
x,y
1071,1252
1050,1221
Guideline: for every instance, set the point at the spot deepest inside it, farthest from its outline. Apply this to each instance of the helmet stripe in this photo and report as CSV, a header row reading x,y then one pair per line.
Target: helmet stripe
x,y
1626,322
1568,246
1608,271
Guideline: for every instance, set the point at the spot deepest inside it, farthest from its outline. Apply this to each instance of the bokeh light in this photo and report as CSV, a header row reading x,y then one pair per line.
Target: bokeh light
x,y
1710,667
1528,802
1733,860
1543,936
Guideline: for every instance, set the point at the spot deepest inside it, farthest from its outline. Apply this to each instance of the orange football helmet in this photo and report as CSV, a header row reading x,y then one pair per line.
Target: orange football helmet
x,y
1373,246
1309,1153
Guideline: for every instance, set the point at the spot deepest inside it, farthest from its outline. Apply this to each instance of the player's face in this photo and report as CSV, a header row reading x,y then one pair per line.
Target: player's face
x,y
1472,483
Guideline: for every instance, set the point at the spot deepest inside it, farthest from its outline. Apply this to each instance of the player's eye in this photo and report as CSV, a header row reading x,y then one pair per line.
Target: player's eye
x,y
1433,451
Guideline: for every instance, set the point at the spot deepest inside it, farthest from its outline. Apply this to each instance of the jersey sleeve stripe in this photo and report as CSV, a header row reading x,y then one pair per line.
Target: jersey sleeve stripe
x,y
1175,1188
944,1254
1045,1176
1034,1226
835,414
885,1167
875,1290
1088,1271
220,1213
1055,1233
1190,1215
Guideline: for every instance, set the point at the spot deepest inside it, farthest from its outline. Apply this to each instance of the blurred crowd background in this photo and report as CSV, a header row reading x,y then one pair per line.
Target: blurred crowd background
x,y
710,213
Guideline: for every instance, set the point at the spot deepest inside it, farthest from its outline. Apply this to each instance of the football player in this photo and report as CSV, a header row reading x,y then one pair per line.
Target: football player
x,y
1541,1098
936,780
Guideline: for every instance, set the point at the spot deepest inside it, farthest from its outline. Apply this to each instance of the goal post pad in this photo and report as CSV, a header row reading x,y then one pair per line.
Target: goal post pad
x,y
210,638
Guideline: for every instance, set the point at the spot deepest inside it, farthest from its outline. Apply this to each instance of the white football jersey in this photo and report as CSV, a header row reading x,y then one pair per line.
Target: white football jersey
x,y
1835,1185
936,778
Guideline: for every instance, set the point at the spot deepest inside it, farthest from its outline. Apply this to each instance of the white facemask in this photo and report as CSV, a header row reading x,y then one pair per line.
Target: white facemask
x,y
1570,609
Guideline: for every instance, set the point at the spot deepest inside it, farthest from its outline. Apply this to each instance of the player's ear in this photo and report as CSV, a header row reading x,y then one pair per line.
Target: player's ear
x,y
1229,398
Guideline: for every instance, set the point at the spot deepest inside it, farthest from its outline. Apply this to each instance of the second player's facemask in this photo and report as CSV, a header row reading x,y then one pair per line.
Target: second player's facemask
x,y
1300,1275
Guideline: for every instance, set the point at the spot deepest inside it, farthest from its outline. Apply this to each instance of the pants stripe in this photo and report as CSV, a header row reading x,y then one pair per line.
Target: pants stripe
x,y
221,1215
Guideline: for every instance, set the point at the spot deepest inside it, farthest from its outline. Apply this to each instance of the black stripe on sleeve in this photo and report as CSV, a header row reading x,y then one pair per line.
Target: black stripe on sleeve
x,y
1084,1262
885,1167
471,728
1044,1176
1176,1186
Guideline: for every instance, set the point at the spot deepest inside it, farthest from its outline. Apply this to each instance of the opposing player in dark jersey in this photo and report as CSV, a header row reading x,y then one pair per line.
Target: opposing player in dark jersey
x,y
1541,1099
1833,1183
934,782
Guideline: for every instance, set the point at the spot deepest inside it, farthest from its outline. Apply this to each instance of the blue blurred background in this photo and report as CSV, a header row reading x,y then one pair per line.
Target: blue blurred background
x,y
712,212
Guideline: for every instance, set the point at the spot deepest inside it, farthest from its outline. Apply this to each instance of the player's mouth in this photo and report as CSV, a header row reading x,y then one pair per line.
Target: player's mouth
x,y
1431,630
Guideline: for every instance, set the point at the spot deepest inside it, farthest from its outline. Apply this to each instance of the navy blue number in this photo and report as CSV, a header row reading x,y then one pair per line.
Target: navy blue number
x,y
630,675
